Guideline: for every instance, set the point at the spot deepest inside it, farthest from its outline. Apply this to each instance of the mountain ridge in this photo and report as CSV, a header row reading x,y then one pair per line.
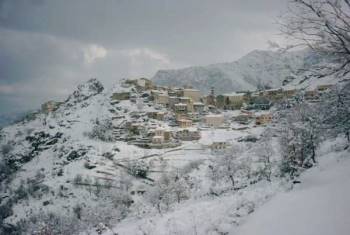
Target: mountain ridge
x,y
257,69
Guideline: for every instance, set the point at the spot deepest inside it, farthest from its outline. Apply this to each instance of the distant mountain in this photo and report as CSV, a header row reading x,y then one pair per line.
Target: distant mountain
x,y
256,69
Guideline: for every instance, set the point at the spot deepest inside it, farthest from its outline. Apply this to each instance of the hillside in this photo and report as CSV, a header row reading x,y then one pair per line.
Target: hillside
x,y
320,205
49,160
256,69
83,169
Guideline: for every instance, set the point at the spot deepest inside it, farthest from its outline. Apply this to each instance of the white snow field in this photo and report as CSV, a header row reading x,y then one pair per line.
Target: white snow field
x,y
318,206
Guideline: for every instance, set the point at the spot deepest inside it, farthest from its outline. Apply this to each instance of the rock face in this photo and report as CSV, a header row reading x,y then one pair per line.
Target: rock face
x,y
86,90
256,69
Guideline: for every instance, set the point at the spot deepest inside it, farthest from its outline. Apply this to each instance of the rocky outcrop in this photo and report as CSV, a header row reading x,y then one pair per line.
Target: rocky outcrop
x,y
86,90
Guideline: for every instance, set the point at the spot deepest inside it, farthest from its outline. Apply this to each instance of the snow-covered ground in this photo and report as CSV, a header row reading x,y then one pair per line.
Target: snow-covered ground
x,y
320,205
60,168
317,206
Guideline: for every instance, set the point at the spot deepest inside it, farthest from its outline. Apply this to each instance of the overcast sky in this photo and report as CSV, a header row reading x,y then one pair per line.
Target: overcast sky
x,y
47,47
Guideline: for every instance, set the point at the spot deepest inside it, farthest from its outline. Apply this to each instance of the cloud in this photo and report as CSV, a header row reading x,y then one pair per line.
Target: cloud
x,y
29,60
94,52
146,53
6,89
55,45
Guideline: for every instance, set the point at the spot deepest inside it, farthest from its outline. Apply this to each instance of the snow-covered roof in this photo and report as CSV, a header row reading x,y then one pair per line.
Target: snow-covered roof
x,y
158,137
191,129
234,94
190,89
274,89
184,120
163,94
180,104
214,116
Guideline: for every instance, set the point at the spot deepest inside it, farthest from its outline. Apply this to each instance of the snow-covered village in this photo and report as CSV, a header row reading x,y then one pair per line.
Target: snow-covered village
x,y
257,146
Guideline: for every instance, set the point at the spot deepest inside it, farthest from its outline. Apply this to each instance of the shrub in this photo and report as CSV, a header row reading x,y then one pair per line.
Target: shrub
x,y
50,223
138,169
78,179
78,211
21,192
6,148
102,130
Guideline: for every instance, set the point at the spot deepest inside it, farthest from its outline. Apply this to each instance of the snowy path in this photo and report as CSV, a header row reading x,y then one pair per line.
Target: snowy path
x,y
319,206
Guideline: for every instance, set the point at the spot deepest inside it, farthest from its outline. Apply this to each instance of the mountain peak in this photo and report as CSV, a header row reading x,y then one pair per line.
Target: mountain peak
x,y
85,90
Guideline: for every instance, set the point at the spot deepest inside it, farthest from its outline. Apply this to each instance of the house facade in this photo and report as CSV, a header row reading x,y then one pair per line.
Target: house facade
x,y
184,123
194,94
263,119
233,101
121,95
188,134
214,120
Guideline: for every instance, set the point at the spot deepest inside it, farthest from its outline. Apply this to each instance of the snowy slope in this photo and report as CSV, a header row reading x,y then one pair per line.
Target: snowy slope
x,y
319,206
41,156
258,68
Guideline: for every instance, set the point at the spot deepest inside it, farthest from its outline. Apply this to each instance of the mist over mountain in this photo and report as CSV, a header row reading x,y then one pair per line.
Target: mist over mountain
x,y
9,118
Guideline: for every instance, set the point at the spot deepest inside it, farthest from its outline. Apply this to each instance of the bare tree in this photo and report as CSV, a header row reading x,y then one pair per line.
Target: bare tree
x,y
231,168
300,130
264,151
324,27
335,110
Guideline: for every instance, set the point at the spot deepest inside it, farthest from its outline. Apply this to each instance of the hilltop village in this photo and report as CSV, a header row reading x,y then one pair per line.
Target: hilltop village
x,y
165,117
138,150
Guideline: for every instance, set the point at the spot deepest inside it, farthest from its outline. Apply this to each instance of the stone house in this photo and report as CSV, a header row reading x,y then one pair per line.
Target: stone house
x,y
218,145
181,108
184,123
167,135
198,107
214,120
136,128
273,94
188,134
161,135
263,119
173,100
194,94
145,83
233,100
121,96
162,99
156,115
324,87
210,100
157,139
188,101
